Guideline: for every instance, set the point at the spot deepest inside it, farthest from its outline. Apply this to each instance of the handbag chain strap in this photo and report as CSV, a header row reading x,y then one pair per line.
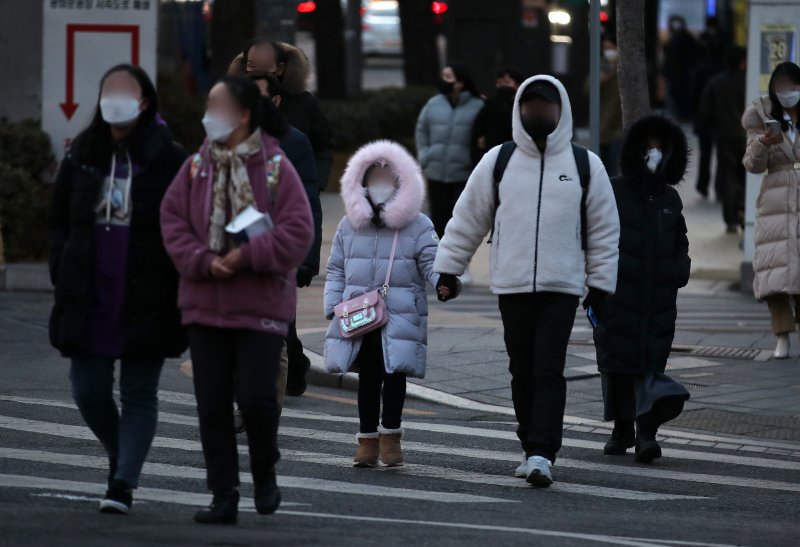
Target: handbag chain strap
x,y
385,288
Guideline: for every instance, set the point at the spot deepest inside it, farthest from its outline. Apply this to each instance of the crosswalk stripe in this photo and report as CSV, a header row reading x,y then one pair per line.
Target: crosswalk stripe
x,y
142,494
61,430
246,504
284,481
752,461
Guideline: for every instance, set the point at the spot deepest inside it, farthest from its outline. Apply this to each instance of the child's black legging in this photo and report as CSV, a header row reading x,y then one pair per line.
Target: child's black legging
x,y
371,377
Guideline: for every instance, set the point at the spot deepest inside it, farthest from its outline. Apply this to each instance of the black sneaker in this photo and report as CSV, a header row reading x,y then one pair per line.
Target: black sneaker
x,y
267,495
296,378
647,450
224,509
118,499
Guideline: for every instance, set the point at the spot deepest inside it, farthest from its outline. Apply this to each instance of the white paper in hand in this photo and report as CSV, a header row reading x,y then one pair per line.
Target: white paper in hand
x,y
248,224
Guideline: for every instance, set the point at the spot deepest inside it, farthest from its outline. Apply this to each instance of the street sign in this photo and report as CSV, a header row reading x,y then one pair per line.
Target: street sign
x,y
83,39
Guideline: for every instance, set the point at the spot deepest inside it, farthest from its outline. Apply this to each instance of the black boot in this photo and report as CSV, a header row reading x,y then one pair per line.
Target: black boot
x,y
647,449
622,438
224,509
299,366
267,495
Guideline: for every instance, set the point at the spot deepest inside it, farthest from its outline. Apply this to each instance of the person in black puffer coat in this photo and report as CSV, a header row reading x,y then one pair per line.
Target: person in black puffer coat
x,y
636,324
116,289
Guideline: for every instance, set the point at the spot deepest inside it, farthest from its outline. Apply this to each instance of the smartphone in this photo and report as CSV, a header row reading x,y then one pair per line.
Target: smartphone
x,y
773,126
592,317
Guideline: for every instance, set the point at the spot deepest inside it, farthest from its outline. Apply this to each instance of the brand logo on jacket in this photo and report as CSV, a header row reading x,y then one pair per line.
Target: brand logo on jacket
x,y
565,178
667,211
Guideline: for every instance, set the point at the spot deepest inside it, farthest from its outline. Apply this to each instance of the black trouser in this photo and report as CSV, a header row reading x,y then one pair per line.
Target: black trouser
x,y
731,176
372,376
294,350
620,403
537,329
706,145
443,197
245,363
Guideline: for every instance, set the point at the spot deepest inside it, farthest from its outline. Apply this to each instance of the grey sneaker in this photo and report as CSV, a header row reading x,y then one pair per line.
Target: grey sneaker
x,y
539,474
521,471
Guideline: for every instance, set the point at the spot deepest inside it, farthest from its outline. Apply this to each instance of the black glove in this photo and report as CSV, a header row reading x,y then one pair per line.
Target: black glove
x,y
304,276
452,283
596,299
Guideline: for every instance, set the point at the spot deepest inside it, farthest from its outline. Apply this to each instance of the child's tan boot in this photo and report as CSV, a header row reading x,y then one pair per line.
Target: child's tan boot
x,y
391,453
368,450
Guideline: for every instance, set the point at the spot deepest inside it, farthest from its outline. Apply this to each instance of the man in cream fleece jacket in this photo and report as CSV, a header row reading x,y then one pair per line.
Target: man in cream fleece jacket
x,y
537,266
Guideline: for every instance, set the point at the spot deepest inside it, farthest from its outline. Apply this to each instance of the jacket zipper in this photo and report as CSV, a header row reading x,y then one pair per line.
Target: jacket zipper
x,y
538,218
375,257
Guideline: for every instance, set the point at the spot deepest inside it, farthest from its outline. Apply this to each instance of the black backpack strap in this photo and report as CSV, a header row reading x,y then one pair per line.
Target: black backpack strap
x,y
506,150
584,173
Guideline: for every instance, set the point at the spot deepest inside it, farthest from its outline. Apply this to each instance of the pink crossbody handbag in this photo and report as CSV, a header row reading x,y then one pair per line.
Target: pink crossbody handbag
x,y
367,312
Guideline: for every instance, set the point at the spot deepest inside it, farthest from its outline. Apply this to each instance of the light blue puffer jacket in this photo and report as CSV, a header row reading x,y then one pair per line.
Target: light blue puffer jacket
x,y
360,257
444,136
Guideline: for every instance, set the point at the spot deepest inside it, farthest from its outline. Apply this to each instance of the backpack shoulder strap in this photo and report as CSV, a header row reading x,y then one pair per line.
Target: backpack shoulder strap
x,y
506,151
582,162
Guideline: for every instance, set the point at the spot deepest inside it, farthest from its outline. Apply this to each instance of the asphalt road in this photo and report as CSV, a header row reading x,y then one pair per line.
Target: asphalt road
x,y
456,489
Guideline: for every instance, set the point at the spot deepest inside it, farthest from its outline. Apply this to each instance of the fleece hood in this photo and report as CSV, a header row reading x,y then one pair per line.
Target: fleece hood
x,y
559,139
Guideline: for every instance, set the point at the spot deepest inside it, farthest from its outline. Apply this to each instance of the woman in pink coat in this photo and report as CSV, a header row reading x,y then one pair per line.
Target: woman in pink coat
x,y
237,297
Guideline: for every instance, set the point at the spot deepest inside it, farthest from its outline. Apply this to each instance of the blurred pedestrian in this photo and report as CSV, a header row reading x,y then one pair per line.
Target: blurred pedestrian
x,y
680,58
721,109
713,45
303,112
238,295
493,123
636,325
555,231
773,147
115,287
384,242
443,134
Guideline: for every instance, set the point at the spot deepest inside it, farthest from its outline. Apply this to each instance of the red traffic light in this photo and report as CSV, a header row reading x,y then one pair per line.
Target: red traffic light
x,y
306,7
439,8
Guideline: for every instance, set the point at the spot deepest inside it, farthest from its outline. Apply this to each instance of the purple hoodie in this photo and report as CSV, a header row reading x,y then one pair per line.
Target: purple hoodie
x,y
263,297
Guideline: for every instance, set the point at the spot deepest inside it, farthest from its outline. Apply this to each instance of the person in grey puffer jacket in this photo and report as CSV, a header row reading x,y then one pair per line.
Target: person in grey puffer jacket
x,y
382,189
444,140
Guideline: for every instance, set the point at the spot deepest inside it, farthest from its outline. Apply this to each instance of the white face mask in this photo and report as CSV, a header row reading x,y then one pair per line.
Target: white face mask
x,y
119,109
217,128
788,99
611,54
381,191
653,159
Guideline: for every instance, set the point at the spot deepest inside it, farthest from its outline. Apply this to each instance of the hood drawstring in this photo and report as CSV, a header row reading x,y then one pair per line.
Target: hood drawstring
x,y
128,184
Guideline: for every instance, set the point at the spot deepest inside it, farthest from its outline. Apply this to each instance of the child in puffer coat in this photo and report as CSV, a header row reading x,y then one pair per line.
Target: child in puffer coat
x,y
382,189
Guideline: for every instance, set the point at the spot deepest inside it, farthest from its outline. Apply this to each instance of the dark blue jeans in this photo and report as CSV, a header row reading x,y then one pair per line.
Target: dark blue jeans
x,y
126,435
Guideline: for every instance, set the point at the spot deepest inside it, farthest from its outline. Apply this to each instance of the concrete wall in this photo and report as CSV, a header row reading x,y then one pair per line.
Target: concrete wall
x,y
21,59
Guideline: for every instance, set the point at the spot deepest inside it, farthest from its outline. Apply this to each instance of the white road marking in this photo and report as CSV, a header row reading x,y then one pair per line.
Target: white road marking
x,y
289,482
80,432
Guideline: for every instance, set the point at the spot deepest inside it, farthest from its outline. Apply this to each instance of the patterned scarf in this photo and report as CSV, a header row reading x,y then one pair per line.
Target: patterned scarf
x,y
232,190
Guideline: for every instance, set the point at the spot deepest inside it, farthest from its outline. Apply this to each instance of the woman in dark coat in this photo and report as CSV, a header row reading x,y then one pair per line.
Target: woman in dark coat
x,y
115,286
637,323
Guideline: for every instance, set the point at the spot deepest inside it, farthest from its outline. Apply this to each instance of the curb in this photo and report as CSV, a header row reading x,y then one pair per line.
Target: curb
x,y
25,277
318,376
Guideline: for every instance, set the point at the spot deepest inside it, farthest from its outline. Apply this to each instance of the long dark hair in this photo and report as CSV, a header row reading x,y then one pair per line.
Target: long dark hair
x,y
95,142
463,75
791,71
263,112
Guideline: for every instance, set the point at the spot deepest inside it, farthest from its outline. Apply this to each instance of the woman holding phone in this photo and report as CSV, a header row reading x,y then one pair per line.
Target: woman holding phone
x,y
774,149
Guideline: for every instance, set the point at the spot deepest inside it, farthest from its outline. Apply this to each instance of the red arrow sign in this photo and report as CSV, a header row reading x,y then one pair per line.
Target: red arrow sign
x,y
69,106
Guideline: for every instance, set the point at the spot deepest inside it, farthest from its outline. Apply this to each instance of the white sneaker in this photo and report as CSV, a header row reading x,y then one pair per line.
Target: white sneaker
x,y
782,347
521,471
539,474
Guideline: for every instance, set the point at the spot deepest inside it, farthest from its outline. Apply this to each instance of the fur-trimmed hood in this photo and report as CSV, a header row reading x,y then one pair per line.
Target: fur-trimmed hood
x,y
296,69
675,150
406,204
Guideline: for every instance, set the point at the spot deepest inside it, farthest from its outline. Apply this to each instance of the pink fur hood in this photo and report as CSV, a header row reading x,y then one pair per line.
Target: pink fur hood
x,y
406,204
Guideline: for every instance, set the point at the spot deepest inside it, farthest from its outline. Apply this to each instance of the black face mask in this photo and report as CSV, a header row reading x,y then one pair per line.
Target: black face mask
x,y
505,93
538,127
446,88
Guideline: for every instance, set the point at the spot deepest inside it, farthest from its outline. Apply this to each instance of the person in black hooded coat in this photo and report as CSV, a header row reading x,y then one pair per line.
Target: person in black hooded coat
x,y
637,323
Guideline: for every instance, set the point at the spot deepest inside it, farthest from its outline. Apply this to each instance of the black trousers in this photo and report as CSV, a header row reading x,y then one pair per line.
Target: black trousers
x,y
443,197
537,329
731,176
297,359
705,141
620,403
372,377
244,363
